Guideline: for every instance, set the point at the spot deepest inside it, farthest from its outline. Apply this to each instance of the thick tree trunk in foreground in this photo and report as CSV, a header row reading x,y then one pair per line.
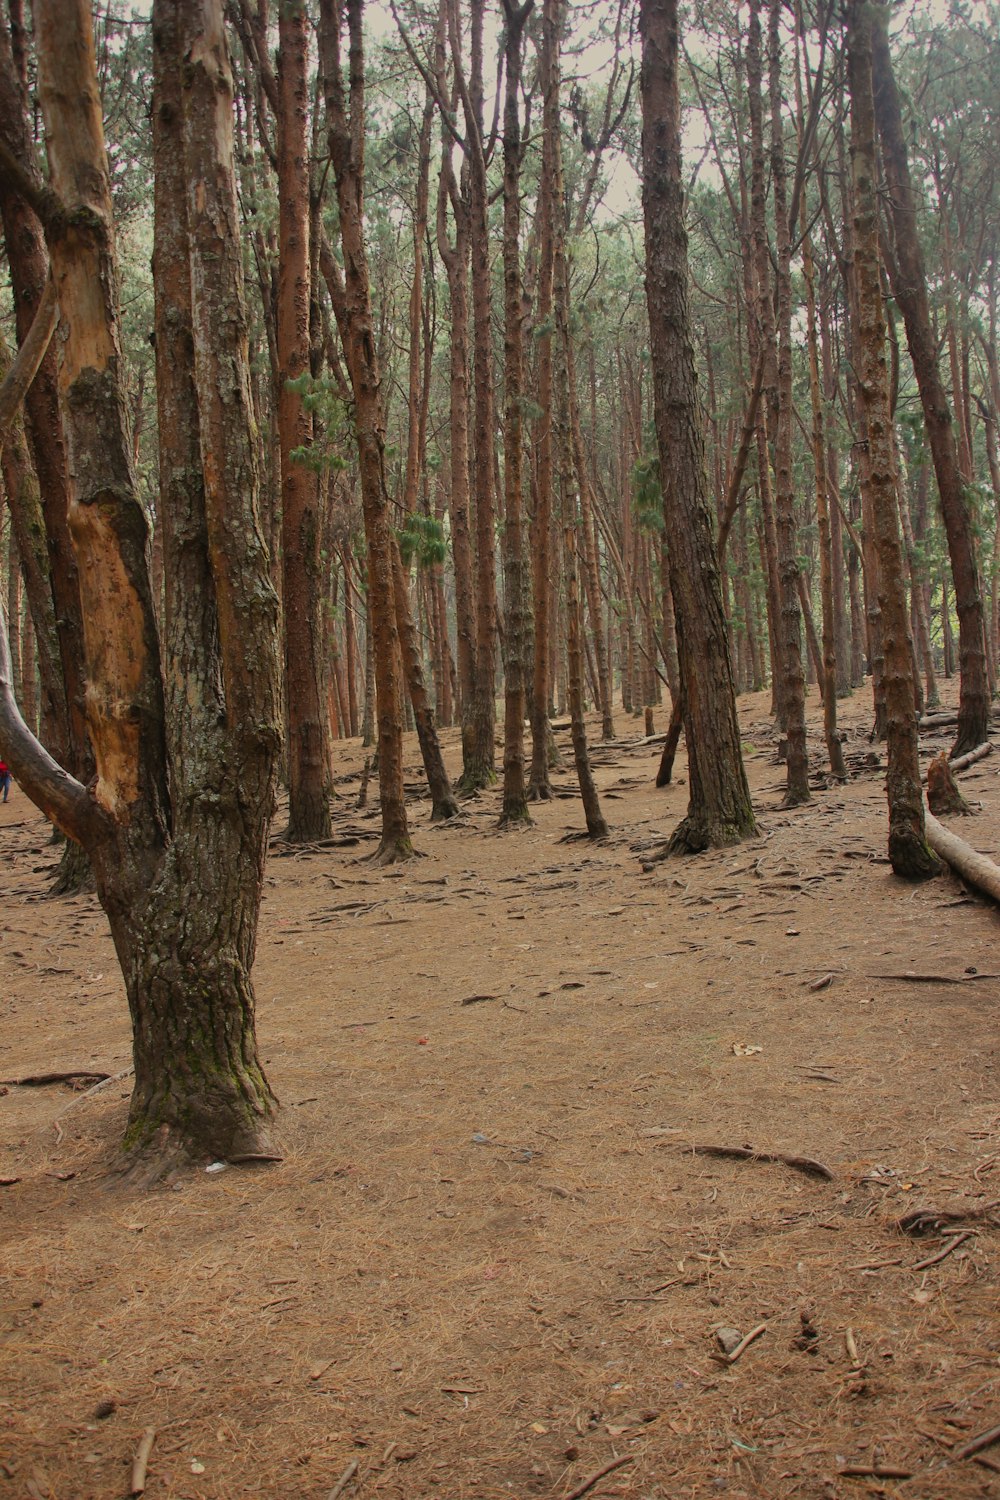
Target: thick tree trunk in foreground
x,y
909,287
719,810
178,859
909,852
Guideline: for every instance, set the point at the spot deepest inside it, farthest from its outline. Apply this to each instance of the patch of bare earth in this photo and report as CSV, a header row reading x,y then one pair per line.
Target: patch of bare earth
x,y
491,1263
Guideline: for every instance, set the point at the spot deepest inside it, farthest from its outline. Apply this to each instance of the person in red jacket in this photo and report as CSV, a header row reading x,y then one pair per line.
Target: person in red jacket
x,y
4,778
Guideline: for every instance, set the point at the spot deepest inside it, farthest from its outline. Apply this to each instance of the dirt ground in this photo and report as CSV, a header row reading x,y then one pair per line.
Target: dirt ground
x,y
492,1263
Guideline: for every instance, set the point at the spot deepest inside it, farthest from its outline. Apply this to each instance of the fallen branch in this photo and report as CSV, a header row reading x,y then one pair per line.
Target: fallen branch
x,y
976,1444
744,1343
981,751
975,868
953,1244
746,1153
876,1471
140,1462
588,1484
344,1480
910,977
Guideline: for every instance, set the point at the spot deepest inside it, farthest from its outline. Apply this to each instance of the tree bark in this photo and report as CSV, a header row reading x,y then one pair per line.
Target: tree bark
x,y
909,852
308,787
346,129
719,809
514,809
909,287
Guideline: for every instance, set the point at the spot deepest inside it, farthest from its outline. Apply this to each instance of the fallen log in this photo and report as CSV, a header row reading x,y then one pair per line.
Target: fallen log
x,y
975,868
981,751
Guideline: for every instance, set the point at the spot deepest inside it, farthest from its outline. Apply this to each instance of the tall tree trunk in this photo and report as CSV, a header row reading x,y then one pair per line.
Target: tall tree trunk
x,y
719,809
549,79
765,347
346,128
308,787
514,809
909,287
480,713
597,827
797,785
909,852
834,748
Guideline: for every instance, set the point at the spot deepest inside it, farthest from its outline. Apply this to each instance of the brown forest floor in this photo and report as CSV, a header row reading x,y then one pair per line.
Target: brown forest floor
x,y
490,1263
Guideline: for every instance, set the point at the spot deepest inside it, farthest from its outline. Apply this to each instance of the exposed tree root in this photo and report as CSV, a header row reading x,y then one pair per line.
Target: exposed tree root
x,y
393,852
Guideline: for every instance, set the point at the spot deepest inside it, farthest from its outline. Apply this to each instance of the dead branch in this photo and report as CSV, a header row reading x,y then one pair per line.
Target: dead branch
x,y
746,1153
588,1484
979,753
344,1480
876,1471
953,1244
744,1343
976,1444
140,1462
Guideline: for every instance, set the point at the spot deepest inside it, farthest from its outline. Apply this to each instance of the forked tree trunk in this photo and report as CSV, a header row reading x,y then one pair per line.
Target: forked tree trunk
x,y
719,809
909,852
178,859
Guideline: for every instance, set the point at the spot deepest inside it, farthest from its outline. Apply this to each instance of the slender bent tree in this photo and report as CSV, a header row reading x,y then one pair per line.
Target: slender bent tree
x,y
28,260
909,287
908,850
176,819
719,810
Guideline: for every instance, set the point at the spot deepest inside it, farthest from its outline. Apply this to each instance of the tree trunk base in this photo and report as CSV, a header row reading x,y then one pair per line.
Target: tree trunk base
x,y
74,877
308,826
539,791
693,835
167,1152
512,819
444,807
972,731
911,857
393,851
476,779
796,797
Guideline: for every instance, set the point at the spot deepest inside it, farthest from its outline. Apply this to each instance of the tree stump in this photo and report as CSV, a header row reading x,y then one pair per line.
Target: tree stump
x,y
943,795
